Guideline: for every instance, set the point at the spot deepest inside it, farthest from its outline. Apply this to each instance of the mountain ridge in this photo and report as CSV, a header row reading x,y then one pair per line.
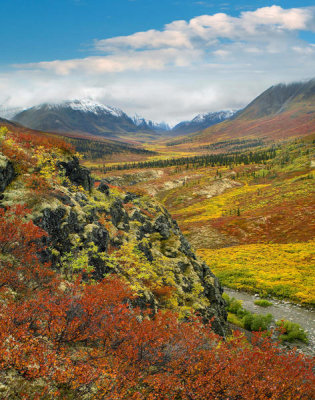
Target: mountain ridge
x,y
282,111
90,117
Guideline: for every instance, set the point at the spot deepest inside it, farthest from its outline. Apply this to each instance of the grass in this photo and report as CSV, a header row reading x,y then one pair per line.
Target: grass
x,y
263,303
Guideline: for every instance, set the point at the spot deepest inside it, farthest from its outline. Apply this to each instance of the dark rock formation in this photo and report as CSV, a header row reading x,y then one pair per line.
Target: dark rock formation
x,y
104,188
77,174
7,173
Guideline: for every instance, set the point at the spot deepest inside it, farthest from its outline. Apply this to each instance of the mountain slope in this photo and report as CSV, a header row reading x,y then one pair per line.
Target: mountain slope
x,y
280,98
279,113
82,116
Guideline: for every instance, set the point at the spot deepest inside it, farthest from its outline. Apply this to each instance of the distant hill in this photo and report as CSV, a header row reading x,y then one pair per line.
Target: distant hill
x,y
83,116
12,125
201,121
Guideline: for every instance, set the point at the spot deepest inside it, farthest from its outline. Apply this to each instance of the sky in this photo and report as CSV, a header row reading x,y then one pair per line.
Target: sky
x,y
166,60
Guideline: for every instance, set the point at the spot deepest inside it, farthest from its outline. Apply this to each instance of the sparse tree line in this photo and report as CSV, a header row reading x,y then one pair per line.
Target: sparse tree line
x,y
208,160
97,149
235,145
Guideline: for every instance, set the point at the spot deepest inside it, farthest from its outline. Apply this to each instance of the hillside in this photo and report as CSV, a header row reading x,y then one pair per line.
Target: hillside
x,y
280,98
280,113
108,219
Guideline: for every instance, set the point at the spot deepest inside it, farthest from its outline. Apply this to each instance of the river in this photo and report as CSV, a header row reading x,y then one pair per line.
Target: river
x,y
281,310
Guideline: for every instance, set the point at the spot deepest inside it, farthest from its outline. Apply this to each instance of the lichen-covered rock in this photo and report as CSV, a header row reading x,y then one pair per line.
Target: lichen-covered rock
x,y
77,174
118,214
104,188
7,173
161,225
131,235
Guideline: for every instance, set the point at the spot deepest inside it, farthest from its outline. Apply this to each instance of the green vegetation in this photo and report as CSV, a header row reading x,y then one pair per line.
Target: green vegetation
x,y
239,316
291,331
245,319
280,270
263,303
257,322
235,145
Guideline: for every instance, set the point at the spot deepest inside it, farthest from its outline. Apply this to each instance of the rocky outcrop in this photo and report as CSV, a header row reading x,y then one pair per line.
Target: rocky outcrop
x,y
95,225
7,173
77,174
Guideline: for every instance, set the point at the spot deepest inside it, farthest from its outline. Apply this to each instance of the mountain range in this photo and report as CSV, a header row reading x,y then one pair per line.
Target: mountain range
x,y
89,117
80,116
280,111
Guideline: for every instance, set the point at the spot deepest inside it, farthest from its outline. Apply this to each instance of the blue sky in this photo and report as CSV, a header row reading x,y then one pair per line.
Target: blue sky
x,y
164,59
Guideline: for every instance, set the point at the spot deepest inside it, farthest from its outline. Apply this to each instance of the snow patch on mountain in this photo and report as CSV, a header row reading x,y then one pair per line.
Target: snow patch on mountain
x,y
219,115
84,105
87,105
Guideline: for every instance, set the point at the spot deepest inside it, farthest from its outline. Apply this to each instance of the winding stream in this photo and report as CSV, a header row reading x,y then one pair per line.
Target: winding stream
x,y
281,310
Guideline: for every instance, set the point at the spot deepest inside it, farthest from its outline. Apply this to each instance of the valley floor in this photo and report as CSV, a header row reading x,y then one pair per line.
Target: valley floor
x,y
252,223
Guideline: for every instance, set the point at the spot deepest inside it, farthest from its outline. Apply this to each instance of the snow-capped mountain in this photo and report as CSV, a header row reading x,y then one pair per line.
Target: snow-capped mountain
x,y
91,117
84,116
84,105
202,121
143,123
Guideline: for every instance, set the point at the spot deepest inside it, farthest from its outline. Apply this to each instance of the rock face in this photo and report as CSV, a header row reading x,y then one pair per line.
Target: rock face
x,y
6,172
78,175
100,223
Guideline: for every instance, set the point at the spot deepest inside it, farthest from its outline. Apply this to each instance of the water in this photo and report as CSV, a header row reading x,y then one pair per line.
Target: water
x,y
281,310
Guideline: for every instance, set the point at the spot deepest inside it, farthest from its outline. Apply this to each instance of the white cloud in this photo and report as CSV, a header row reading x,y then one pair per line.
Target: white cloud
x,y
209,63
207,29
151,60
181,43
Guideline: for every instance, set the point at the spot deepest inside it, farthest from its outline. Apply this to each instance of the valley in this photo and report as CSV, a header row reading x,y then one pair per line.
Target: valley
x,y
259,208
118,249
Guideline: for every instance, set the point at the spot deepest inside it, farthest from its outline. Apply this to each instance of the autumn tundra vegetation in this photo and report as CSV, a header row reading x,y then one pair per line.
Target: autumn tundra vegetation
x,y
68,331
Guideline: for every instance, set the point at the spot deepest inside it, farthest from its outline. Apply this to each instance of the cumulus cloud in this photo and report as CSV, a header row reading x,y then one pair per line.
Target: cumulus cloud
x,y
206,30
181,43
208,63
